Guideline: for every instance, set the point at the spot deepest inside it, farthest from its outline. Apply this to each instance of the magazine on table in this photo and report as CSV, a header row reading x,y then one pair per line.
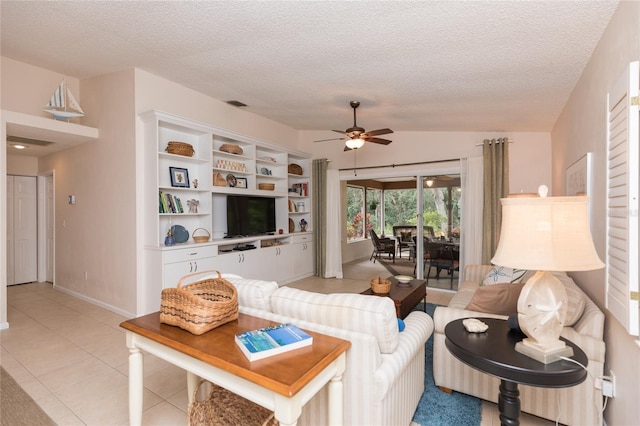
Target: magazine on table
x,y
268,341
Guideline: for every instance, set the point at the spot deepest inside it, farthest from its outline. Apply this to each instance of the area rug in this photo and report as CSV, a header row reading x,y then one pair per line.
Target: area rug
x,y
17,407
437,408
404,266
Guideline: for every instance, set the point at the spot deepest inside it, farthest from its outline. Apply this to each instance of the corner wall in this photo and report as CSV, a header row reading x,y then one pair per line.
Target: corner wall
x,y
95,238
582,128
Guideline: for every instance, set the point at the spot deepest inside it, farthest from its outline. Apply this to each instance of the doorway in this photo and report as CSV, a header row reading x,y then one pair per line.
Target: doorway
x,y
22,217
46,227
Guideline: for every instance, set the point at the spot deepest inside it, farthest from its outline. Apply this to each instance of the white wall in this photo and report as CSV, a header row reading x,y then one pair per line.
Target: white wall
x,y
581,128
529,160
153,92
95,238
22,165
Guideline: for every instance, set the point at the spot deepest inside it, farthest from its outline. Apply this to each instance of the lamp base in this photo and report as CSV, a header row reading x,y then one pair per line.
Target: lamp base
x,y
545,355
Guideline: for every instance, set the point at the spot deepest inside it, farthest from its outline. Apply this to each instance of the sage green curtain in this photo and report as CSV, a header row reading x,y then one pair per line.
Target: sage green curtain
x,y
318,203
496,186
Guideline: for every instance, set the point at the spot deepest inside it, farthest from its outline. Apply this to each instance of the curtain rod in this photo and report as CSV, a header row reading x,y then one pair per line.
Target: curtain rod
x,y
399,165
508,141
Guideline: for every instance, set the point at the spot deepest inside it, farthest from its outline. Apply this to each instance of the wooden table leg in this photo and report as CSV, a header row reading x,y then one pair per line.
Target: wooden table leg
x,y
136,386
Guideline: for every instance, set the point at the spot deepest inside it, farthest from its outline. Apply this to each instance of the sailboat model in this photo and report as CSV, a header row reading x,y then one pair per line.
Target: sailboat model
x,y
63,105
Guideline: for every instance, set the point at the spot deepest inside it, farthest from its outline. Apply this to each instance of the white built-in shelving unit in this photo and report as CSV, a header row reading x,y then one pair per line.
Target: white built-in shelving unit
x,y
282,257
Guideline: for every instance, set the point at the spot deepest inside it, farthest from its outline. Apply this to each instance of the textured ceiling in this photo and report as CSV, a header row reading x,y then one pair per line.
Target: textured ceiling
x,y
415,66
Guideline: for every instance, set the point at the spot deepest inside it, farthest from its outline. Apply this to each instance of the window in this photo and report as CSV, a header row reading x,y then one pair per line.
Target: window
x,y
400,208
356,216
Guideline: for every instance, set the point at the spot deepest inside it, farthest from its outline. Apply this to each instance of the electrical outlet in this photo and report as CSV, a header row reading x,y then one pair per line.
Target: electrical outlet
x,y
609,385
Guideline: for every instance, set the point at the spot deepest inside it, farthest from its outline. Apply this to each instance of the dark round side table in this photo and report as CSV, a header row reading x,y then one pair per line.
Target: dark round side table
x,y
493,352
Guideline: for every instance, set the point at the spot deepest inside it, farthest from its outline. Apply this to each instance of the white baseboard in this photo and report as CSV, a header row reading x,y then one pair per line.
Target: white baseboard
x,y
95,302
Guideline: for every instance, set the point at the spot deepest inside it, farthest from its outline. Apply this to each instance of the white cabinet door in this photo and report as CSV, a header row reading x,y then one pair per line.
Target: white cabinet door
x,y
302,259
178,263
173,272
274,263
231,263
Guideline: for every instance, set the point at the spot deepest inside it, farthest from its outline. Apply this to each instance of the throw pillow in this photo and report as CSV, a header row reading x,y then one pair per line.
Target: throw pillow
x,y
405,237
400,325
502,274
499,299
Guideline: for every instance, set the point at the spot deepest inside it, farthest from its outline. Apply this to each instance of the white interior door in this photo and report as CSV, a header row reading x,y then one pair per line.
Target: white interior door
x,y
25,222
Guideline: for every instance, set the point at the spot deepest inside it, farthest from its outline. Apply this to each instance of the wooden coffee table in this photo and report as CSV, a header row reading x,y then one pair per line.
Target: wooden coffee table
x,y
405,296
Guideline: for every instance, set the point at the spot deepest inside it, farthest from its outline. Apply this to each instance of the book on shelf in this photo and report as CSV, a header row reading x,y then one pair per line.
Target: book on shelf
x,y
269,341
169,203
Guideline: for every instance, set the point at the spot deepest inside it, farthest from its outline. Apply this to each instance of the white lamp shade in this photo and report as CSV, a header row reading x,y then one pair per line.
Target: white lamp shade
x,y
547,234
354,143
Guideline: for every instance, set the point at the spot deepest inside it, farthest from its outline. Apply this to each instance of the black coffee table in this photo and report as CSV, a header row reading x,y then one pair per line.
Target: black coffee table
x,y
493,352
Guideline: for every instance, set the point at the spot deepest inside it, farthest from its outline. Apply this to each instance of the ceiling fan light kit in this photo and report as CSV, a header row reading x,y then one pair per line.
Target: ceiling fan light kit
x,y
356,136
354,143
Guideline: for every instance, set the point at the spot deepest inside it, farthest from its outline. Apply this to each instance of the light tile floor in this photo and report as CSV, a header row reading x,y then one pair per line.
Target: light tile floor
x,y
71,357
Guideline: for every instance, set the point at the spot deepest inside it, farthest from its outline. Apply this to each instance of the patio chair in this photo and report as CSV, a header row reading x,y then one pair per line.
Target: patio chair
x,y
441,256
381,246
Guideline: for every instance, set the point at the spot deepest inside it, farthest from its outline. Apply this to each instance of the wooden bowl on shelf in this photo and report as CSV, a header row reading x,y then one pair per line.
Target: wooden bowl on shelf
x,y
267,186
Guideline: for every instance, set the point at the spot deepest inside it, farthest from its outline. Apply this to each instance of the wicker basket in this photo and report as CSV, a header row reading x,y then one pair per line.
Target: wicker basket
x,y
200,238
223,408
380,285
219,180
231,148
180,148
200,306
267,186
295,169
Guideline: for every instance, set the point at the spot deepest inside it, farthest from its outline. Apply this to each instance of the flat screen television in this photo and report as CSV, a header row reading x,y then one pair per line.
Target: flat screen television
x,y
247,216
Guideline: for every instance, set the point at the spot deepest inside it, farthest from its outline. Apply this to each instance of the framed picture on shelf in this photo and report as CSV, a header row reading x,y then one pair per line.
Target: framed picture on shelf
x,y
241,182
179,177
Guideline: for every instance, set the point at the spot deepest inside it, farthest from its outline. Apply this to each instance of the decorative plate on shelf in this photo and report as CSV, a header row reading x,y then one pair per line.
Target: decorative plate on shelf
x,y
180,234
231,180
404,279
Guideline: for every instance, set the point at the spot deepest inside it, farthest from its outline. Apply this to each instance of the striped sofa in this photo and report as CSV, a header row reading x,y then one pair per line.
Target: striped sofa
x,y
384,376
578,405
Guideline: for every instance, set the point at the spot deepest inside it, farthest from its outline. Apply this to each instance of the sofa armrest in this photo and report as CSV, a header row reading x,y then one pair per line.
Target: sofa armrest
x,y
593,348
418,329
444,315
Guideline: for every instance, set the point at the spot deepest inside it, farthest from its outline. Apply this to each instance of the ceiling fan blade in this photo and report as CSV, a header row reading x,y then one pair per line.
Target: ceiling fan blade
x,y
378,140
378,132
340,131
332,139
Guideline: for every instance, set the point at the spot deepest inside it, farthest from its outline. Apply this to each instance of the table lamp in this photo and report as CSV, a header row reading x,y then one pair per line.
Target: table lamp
x,y
545,234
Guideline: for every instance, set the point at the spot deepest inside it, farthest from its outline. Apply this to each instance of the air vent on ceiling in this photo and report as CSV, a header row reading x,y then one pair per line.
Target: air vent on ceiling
x,y
27,141
236,103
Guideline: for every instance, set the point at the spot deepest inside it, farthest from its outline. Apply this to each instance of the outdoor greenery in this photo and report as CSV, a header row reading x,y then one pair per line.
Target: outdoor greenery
x,y
400,208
